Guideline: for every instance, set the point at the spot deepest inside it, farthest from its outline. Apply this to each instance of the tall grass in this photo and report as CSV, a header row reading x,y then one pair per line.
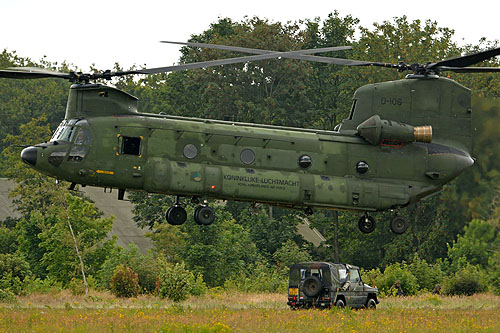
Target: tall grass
x,y
223,312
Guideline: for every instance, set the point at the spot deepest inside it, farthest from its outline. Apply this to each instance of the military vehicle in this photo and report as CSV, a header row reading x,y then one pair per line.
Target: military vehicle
x,y
323,285
402,141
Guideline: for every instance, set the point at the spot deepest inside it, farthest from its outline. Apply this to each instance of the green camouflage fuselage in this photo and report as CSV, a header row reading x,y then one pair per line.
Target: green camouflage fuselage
x,y
105,142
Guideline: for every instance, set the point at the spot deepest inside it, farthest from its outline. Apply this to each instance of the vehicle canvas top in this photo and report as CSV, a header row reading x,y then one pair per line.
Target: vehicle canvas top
x,y
329,272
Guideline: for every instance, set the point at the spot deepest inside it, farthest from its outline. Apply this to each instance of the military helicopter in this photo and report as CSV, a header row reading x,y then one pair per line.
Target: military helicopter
x,y
403,141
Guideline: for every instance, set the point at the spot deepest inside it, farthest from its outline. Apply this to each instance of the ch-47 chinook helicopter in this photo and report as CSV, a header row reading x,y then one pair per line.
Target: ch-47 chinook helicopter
x,y
403,141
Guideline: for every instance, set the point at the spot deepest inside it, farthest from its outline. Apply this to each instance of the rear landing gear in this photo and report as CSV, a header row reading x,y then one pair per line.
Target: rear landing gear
x,y
204,215
366,224
399,225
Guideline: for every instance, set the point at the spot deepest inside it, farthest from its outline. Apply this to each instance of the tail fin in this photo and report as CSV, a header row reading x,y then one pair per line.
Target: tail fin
x,y
418,100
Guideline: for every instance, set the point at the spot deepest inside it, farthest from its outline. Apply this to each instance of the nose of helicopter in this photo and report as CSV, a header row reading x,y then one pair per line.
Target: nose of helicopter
x,y
28,155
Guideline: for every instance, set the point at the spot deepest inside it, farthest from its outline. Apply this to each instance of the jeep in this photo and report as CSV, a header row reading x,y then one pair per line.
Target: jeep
x,y
323,285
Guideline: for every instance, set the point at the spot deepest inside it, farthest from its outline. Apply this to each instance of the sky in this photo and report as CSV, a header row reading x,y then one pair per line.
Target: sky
x,y
103,32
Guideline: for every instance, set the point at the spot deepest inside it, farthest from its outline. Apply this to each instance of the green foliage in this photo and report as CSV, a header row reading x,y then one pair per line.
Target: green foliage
x,y
145,265
218,250
427,275
261,278
76,287
467,280
32,284
90,231
371,277
397,272
288,254
494,272
199,287
124,282
269,233
8,235
13,270
6,295
175,281
480,240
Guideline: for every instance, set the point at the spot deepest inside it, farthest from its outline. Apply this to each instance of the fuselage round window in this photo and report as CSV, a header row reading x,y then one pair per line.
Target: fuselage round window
x,y
305,161
247,156
362,167
190,151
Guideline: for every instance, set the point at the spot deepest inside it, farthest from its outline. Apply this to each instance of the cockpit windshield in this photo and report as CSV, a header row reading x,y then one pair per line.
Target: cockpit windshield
x,y
64,132
67,129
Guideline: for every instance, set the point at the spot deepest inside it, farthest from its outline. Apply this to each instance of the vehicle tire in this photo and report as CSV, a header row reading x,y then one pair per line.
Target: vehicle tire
x,y
204,215
371,304
311,286
176,215
366,224
340,303
399,225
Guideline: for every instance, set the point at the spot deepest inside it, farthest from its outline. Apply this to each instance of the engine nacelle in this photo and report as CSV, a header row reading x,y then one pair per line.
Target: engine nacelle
x,y
380,131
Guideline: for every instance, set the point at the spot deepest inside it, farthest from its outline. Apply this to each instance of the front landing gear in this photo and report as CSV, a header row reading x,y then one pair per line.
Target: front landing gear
x,y
366,224
176,215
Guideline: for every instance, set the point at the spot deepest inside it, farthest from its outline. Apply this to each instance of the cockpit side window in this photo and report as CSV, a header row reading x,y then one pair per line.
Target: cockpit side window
x,y
82,141
83,137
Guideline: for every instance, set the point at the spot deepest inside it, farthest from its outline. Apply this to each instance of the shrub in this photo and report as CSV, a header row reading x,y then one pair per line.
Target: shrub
x,y
175,281
125,283
398,272
13,270
36,285
427,275
199,287
143,264
371,277
76,287
261,279
6,295
467,280
494,273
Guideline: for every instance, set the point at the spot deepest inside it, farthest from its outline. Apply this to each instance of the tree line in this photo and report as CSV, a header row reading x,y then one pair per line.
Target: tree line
x,y
455,232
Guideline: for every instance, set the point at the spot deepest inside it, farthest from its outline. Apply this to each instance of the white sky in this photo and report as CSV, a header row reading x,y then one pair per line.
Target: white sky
x,y
108,31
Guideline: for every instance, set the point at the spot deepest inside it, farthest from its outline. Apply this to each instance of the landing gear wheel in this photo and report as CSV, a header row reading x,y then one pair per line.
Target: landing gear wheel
x,y
176,215
340,304
399,225
366,224
204,215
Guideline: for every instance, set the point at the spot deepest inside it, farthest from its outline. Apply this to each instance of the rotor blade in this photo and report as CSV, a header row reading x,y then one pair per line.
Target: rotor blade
x,y
203,64
257,51
303,55
470,69
30,73
467,60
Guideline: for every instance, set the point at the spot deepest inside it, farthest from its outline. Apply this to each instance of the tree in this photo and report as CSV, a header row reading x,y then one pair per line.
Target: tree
x,y
219,250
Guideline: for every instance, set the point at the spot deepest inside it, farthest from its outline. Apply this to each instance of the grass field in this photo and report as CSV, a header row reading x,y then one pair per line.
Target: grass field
x,y
223,312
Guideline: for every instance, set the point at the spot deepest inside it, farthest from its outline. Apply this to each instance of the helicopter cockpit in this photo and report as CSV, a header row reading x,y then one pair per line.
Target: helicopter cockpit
x,y
74,131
